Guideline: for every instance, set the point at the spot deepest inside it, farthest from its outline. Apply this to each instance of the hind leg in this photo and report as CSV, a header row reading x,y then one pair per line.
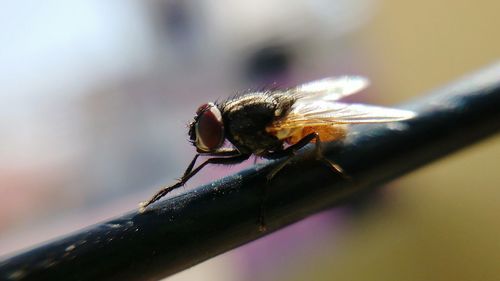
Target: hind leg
x,y
318,151
290,152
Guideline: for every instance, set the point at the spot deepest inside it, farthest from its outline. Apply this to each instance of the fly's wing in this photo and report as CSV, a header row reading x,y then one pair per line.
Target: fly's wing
x,y
330,89
321,112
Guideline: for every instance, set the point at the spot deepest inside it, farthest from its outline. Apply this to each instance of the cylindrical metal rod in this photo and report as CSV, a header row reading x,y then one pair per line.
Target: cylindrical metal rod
x,y
179,232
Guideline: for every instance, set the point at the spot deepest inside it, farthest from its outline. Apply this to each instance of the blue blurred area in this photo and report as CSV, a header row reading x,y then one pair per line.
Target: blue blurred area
x,y
96,94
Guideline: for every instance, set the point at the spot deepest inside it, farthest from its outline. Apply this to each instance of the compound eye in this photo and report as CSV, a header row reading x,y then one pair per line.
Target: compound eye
x,y
203,107
209,128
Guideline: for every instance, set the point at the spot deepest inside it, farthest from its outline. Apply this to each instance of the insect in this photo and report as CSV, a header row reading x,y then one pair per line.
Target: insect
x,y
276,123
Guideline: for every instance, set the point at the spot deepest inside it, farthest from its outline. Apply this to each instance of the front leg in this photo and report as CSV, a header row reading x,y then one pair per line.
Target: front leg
x,y
232,157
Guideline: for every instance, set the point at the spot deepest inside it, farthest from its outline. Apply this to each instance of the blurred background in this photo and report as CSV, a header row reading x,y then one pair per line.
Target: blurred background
x,y
95,98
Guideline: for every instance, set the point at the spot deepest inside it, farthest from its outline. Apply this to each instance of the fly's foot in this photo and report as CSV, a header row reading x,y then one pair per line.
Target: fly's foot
x,y
262,221
335,167
142,206
162,192
262,227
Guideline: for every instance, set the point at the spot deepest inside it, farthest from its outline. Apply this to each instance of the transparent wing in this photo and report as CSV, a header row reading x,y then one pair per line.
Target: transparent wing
x,y
320,113
331,89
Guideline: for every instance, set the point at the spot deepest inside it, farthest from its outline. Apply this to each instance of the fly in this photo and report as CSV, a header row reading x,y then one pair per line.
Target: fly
x,y
276,123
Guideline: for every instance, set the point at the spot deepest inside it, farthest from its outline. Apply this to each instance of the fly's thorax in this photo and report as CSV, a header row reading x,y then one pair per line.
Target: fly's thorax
x,y
246,118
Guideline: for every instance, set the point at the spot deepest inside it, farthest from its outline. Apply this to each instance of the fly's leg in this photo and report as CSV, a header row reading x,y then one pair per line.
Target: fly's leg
x,y
290,152
318,151
280,166
162,192
233,157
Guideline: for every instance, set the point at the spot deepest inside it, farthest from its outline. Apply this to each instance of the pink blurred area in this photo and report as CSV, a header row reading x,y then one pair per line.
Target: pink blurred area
x,y
96,97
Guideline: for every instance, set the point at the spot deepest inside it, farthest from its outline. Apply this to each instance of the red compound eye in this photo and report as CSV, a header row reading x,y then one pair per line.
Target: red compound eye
x,y
209,128
203,107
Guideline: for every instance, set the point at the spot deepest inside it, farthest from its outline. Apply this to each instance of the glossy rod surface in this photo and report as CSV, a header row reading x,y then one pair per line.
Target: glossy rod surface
x,y
179,232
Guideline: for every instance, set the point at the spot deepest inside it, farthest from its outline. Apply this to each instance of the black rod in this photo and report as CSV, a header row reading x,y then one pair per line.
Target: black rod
x,y
179,232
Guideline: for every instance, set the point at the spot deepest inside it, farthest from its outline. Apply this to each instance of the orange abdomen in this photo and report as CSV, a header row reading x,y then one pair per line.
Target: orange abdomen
x,y
326,133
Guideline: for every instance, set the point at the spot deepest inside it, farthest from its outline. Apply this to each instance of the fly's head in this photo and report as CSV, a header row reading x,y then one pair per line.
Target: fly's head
x,y
206,132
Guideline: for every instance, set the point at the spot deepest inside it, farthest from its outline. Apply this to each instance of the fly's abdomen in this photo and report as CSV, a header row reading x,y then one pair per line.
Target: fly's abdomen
x,y
326,133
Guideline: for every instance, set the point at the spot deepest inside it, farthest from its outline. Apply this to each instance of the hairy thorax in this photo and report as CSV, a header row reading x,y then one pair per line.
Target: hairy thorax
x,y
246,120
